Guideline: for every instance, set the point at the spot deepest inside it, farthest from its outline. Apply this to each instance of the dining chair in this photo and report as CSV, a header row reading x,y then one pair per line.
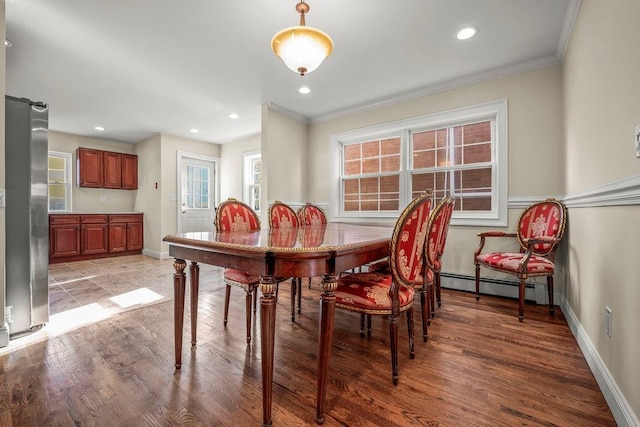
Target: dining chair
x,y
540,230
391,294
310,214
282,215
437,226
233,215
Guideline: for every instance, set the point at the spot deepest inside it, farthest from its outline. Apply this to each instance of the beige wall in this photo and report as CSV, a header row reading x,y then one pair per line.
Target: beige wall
x,y
231,165
601,95
535,132
148,195
89,199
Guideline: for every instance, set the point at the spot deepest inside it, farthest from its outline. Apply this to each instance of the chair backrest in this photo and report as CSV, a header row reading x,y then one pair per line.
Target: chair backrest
x,y
282,216
542,219
233,215
311,214
437,227
406,252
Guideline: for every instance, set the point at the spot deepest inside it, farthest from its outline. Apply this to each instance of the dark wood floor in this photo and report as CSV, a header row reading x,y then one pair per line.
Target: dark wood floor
x,y
112,365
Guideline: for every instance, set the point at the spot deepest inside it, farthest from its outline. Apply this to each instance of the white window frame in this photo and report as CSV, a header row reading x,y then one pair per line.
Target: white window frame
x,y
496,111
247,177
68,179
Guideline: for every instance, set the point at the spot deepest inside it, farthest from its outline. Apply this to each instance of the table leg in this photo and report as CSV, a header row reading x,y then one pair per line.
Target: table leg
x,y
179,281
328,307
267,343
194,281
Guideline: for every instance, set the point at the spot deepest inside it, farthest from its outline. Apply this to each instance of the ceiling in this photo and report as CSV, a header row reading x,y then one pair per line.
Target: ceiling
x,y
142,67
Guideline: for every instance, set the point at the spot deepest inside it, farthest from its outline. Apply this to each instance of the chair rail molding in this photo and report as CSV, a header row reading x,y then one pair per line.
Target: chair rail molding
x,y
625,191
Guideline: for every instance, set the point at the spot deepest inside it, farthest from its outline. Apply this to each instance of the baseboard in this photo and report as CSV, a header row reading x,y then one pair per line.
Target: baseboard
x,y
155,254
4,335
618,405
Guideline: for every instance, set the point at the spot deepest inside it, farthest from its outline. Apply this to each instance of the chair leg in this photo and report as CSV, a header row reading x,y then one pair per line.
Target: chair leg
x,y
438,295
362,325
550,290
425,310
521,300
248,298
255,300
477,281
227,294
368,325
309,282
432,301
294,288
412,351
393,340
299,295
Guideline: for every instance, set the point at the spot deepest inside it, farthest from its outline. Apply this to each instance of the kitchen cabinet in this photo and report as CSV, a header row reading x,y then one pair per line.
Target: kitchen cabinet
x,y
89,167
74,237
106,169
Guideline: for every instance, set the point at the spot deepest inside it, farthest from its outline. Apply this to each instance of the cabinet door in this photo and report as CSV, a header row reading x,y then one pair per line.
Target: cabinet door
x,y
135,240
94,239
129,171
117,237
112,169
89,168
64,240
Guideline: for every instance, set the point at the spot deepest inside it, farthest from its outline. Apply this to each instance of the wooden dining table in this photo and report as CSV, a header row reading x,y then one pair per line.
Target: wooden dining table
x,y
311,251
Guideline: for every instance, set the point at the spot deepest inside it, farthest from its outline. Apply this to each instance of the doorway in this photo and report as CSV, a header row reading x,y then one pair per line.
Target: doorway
x,y
197,192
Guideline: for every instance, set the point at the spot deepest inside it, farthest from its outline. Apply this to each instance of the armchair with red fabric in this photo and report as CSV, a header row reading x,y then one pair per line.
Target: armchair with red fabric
x,y
540,230
310,214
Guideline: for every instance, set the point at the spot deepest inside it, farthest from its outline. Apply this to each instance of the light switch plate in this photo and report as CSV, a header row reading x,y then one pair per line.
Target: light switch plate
x,y
638,141
2,200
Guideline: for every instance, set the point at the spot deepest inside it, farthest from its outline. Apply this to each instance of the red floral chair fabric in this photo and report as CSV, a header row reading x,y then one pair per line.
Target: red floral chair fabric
x,y
311,214
283,222
384,294
540,230
233,215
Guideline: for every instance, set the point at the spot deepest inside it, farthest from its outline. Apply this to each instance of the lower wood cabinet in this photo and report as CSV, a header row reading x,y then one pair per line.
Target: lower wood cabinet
x,y
74,237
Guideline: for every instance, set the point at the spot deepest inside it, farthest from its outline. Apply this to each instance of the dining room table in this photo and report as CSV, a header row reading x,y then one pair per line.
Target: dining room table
x,y
312,251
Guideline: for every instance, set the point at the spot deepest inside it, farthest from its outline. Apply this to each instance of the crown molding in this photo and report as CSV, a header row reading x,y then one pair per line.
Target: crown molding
x,y
288,113
567,27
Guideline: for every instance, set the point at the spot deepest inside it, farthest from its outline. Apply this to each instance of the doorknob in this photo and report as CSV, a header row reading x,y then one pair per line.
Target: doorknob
x,y
184,207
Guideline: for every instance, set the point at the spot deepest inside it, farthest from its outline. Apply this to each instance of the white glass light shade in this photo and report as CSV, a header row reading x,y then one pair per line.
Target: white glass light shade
x,y
302,48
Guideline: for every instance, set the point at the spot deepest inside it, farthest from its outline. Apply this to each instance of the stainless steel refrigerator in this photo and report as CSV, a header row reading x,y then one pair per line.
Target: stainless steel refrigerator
x,y
27,224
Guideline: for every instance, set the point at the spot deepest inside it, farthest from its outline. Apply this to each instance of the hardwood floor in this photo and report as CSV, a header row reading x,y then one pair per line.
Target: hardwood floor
x,y
106,359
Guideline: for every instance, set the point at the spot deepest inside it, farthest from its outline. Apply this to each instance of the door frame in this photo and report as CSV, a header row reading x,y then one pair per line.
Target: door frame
x,y
180,156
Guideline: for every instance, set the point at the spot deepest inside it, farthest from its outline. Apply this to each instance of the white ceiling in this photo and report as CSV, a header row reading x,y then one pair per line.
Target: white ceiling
x,y
142,67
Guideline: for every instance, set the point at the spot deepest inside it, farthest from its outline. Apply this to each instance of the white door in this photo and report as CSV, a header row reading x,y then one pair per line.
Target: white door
x,y
197,194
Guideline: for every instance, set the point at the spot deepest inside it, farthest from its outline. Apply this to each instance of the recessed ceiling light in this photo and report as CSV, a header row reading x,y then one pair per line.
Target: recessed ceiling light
x,y
304,90
99,128
194,130
467,32
7,43
233,116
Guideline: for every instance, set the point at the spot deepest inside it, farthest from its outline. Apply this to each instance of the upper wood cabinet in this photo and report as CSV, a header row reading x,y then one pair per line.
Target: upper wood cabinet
x,y
90,167
106,169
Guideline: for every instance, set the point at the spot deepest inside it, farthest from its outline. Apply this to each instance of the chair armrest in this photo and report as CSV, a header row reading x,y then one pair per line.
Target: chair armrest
x,y
490,234
541,240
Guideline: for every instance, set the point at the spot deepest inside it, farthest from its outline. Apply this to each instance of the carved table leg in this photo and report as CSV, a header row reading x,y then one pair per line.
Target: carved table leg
x,y
328,307
267,341
194,280
179,279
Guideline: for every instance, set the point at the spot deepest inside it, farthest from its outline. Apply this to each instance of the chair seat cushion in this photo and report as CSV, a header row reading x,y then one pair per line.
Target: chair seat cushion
x,y
509,263
383,268
369,293
241,278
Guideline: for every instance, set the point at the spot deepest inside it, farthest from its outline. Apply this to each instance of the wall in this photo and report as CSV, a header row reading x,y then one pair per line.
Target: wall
x,y
284,160
601,109
4,329
89,199
231,165
148,194
535,132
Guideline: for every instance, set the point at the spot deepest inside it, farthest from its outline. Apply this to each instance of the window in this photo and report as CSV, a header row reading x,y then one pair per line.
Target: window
x,y
59,180
252,179
198,182
378,170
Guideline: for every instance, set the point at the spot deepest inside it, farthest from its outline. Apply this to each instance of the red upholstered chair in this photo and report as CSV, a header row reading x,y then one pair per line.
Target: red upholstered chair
x,y
233,215
540,230
282,215
445,209
310,214
390,294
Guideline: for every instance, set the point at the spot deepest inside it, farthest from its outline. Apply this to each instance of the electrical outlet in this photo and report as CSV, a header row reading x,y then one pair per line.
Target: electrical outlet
x,y
103,199
637,141
607,321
